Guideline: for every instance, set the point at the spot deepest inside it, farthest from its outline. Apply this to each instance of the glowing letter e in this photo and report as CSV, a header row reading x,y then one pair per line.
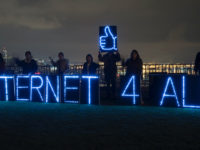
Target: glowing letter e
x,y
69,88
169,82
6,84
133,95
89,86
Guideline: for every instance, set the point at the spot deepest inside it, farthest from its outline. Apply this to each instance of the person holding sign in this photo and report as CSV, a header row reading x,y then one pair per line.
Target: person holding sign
x,y
108,44
110,70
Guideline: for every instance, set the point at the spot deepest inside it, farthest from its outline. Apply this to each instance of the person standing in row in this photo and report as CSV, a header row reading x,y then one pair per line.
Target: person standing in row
x,y
29,65
110,70
134,64
2,64
134,67
62,64
89,66
197,64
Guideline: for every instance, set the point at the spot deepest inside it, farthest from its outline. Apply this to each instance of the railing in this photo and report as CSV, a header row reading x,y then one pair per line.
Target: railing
x,y
147,68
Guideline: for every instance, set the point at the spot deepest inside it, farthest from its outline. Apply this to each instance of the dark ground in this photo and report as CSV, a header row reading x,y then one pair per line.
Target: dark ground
x,y
73,126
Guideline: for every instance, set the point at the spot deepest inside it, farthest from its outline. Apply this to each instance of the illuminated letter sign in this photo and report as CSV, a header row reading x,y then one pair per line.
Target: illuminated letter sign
x,y
50,90
5,89
90,90
173,95
22,84
108,38
36,85
131,87
73,96
191,96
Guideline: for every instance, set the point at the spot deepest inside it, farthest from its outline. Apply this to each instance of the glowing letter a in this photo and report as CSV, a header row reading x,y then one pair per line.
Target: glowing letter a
x,y
169,82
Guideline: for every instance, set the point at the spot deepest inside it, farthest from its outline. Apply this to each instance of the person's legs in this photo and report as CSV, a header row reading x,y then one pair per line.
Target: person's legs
x,y
113,82
107,80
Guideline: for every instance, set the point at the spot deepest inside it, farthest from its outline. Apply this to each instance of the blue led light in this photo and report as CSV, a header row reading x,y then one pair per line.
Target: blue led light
x,y
169,81
89,86
37,88
69,88
133,95
103,42
18,87
183,95
48,84
6,85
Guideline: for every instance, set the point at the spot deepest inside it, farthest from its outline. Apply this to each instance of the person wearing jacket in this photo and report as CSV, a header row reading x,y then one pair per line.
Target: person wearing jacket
x,y
134,67
89,66
110,70
134,64
197,64
2,64
62,64
29,65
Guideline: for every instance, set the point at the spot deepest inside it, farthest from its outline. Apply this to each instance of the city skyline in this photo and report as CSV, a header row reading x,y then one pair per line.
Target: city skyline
x,y
162,31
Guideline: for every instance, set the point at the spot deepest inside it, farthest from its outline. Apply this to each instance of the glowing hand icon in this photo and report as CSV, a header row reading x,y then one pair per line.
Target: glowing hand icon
x,y
108,41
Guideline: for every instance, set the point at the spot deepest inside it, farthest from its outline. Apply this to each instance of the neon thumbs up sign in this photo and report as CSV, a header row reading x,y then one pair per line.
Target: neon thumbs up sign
x,y
108,38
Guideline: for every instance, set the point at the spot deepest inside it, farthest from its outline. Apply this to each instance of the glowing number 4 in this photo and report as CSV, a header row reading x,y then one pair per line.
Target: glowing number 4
x,y
133,95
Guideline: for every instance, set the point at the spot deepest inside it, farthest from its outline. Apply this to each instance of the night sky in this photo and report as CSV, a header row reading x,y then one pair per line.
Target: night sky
x,y
163,31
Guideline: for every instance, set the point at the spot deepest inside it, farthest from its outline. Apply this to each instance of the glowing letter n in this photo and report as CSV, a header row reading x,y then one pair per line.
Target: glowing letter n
x,y
48,84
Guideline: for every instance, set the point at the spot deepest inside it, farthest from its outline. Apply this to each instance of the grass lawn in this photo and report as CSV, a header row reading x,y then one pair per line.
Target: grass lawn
x,y
26,125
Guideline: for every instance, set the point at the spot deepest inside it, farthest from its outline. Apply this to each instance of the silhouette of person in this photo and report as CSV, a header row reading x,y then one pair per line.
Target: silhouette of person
x,y
62,64
2,64
110,70
29,65
134,64
89,66
197,64
134,67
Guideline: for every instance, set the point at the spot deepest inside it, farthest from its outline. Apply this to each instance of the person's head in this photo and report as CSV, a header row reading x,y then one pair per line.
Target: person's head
x,y
28,55
197,60
134,55
89,58
60,55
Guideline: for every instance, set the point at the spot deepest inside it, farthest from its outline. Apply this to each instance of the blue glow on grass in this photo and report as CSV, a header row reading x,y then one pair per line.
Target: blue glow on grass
x,y
89,86
169,81
69,88
18,87
133,95
37,88
48,84
6,85
103,42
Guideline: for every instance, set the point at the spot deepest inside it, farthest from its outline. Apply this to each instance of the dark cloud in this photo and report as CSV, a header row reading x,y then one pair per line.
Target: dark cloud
x,y
159,29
